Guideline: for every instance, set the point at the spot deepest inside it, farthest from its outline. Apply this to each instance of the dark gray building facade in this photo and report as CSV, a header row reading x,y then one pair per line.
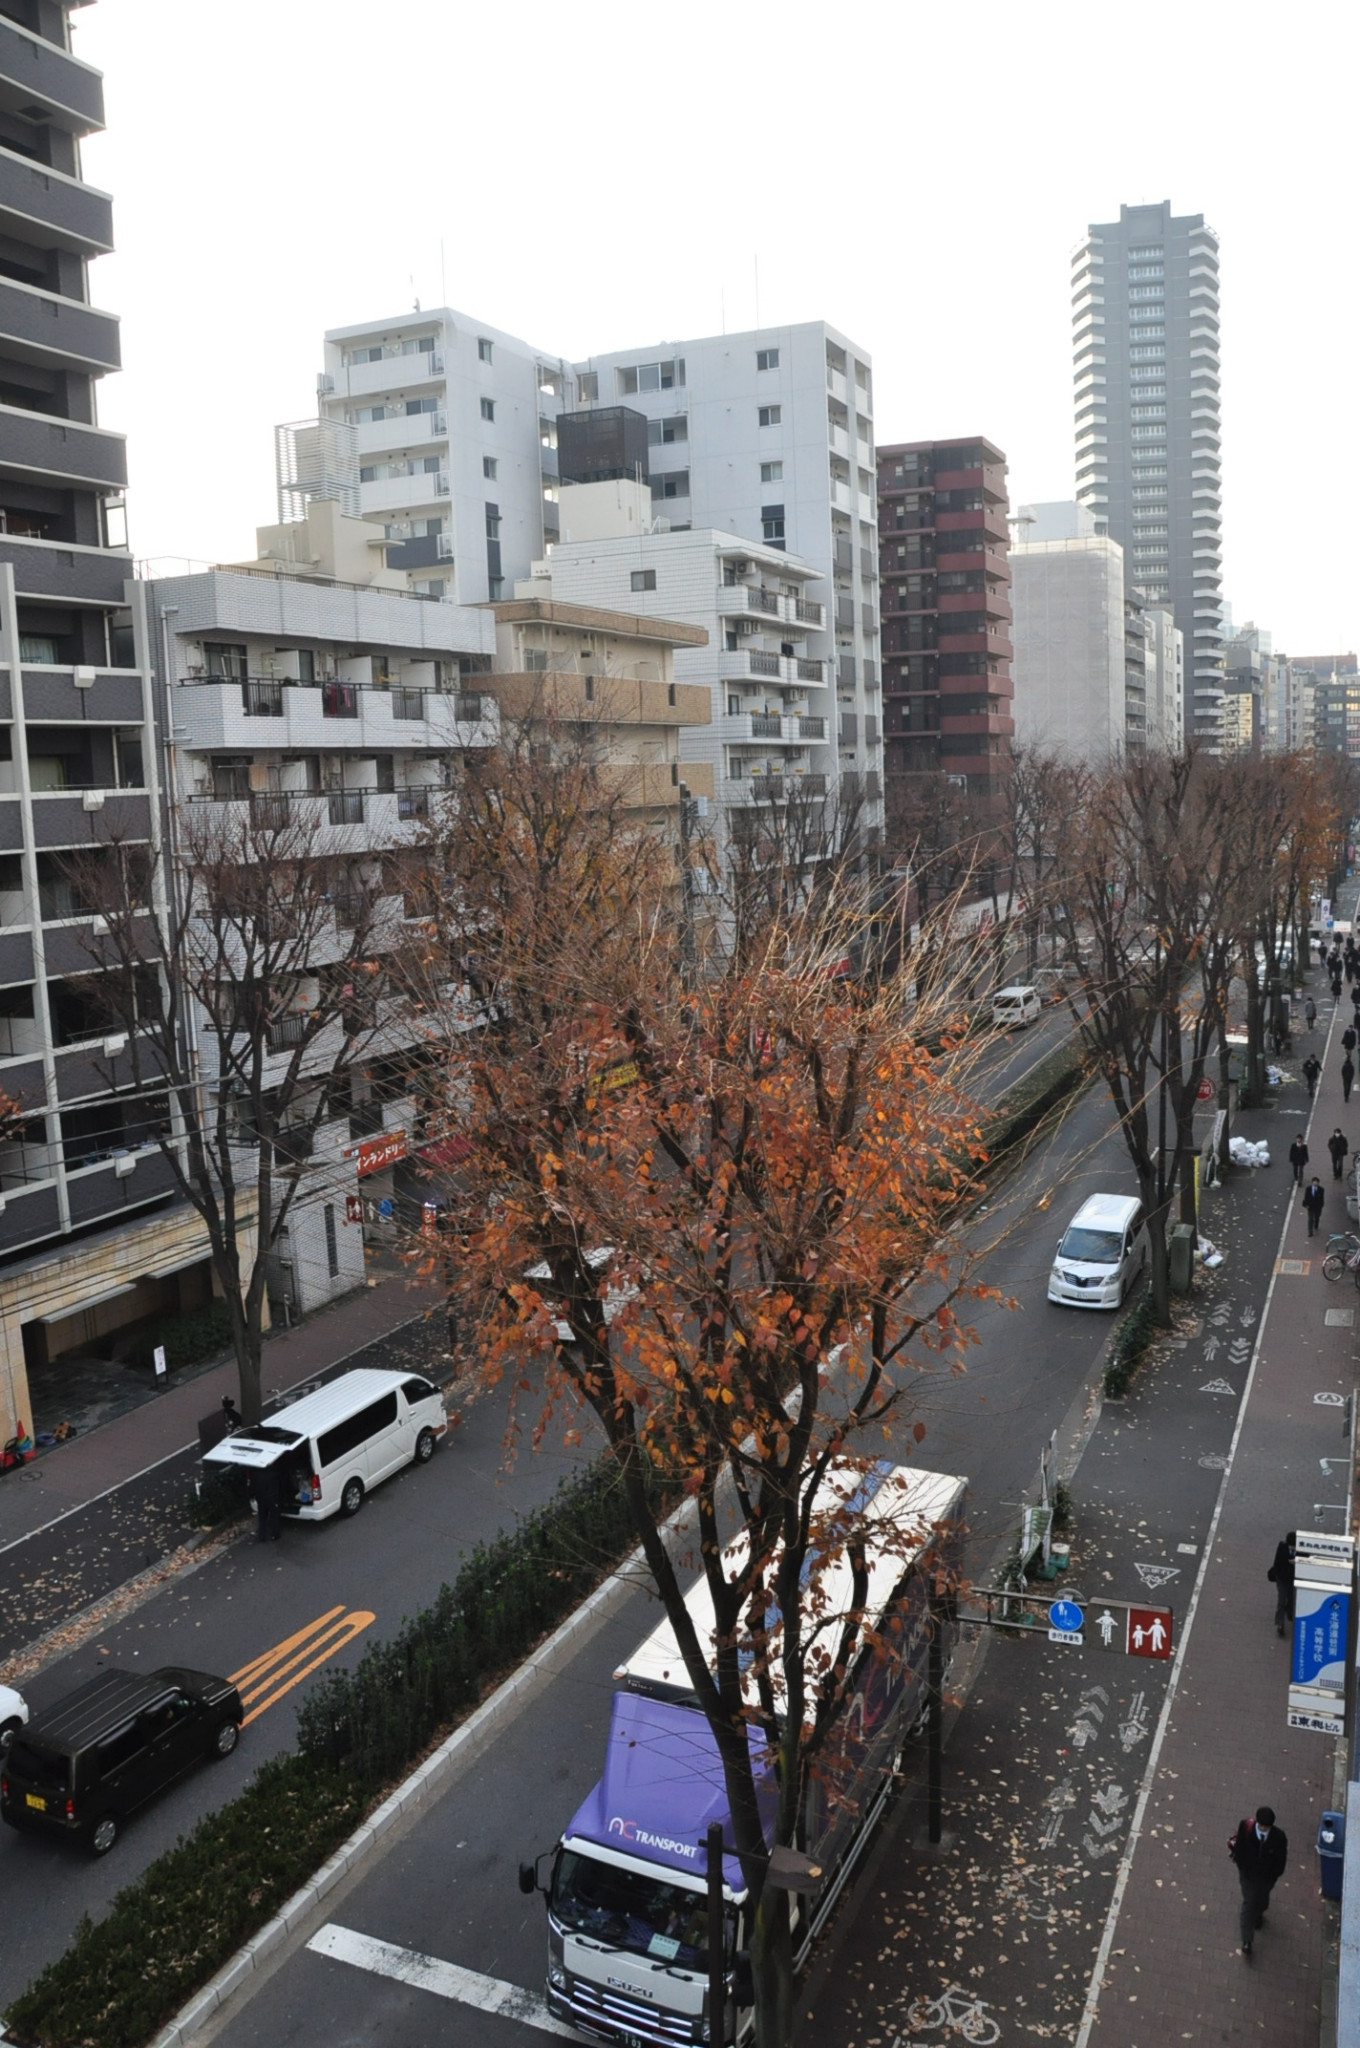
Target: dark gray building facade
x,y
1145,321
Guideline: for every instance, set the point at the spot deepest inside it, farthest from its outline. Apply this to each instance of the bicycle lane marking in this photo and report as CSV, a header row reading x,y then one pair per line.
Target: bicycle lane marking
x,y
1096,1986
266,1678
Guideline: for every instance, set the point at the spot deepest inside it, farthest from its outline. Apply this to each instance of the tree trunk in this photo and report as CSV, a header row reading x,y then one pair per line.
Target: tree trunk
x,y
1160,1261
772,1969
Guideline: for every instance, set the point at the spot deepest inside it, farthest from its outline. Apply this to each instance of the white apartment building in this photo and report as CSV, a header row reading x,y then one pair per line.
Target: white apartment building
x,y
767,435
767,740
1069,666
348,707
1165,679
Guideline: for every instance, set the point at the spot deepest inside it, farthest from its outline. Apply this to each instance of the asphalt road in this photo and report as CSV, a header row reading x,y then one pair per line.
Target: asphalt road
x,y
448,1889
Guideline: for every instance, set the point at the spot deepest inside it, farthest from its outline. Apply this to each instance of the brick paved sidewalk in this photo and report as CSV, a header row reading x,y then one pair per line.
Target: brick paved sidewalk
x,y
79,1471
1174,1971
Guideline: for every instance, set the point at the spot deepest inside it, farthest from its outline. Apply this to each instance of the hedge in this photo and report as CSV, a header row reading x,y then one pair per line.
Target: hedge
x,y
189,1338
175,1926
1023,1107
1136,1333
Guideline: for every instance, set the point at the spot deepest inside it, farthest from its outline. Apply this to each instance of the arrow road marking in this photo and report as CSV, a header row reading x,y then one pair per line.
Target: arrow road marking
x,y
1154,1575
1104,1827
1133,1729
1221,1315
446,1980
1095,1850
1110,1798
1247,1318
1217,1387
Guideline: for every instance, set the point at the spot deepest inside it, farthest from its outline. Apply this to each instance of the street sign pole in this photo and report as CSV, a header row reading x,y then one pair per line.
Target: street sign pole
x,y
935,1733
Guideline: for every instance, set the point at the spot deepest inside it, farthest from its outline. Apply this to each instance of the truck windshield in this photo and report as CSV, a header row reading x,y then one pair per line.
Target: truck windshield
x,y
626,1910
1097,1247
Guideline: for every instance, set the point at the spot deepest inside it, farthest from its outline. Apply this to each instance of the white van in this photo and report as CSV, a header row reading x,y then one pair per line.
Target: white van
x,y
1100,1254
336,1444
1015,1006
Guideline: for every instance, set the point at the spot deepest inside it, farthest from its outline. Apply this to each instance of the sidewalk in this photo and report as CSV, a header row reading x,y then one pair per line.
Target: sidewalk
x,y
81,1470
1174,1969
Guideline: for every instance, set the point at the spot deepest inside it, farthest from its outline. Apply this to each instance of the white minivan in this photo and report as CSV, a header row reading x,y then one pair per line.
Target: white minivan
x,y
1015,1006
1100,1254
334,1445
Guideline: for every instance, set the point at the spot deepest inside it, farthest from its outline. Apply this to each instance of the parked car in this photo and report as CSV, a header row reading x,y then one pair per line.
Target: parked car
x,y
13,1716
1100,1254
1015,1006
82,1767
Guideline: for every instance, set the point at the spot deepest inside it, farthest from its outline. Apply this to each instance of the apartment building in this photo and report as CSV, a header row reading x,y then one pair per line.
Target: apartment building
x,y
761,740
1071,655
1145,337
945,577
88,1227
1333,682
468,438
1164,679
297,697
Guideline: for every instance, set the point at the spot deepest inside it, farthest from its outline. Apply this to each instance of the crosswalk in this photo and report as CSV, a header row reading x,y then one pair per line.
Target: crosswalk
x,y
445,1980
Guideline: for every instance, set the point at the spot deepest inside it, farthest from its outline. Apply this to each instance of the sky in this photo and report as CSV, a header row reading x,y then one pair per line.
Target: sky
x,y
598,177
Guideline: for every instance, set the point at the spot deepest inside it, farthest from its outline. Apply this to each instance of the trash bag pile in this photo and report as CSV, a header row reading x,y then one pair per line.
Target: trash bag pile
x,y
1243,1152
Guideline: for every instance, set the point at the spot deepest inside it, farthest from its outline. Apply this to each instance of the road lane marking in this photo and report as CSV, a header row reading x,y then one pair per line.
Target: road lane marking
x,y
445,1980
274,1672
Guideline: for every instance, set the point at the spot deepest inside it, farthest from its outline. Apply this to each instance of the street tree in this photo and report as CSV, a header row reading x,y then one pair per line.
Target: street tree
x,y
720,1204
245,978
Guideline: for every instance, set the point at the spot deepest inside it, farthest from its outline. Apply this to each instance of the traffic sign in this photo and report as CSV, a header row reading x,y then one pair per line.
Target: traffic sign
x,y
1066,1617
1206,1090
1149,1632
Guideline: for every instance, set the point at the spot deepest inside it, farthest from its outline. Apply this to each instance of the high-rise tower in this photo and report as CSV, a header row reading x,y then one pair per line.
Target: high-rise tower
x,y
1145,332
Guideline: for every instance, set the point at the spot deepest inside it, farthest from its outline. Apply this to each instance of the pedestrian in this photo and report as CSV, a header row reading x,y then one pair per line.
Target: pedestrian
x,y
1312,1067
1313,1199
1281,1576
1298,1159
1336,984
268,1504
1348,1038
1260,1850
1310,1013
1347,1077
1338,1148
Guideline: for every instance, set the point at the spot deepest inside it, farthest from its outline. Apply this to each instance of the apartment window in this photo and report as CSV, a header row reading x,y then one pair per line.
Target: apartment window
x,y
642,579
332,1248
734,707
489,467
40,649
772,524
770,415
664,433
223,657
767,358
675,484
652,377
415,406
588,387
483,349
495,588
306,661
493,522
772,472
488,408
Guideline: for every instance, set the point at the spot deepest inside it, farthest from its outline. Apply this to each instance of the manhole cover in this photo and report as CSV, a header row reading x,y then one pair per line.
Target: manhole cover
x,y
1299,1266
1340,1319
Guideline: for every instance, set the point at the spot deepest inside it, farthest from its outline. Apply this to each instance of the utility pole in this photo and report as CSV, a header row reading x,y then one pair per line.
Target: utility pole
x,y
689,813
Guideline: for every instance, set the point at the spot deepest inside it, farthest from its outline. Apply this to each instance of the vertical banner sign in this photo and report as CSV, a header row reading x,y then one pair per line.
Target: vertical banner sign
x,y
158,1360
1321,1620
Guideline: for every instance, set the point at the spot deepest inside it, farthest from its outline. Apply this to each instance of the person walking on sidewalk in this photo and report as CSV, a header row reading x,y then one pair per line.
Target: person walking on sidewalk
x,y
1281,1576
1338,1148
1348,1039
1260,1850
1347,1077
1312,1067
1310,1012
1298,1159
1313,1199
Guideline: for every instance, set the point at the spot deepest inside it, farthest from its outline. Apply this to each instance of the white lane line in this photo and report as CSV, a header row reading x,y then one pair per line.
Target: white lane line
x,y
445,1980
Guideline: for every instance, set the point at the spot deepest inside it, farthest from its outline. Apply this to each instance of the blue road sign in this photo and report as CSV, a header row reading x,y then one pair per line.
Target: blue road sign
x,y
1066,1615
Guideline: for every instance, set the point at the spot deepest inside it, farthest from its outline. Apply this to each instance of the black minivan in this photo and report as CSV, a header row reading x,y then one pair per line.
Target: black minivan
x,y
93,1758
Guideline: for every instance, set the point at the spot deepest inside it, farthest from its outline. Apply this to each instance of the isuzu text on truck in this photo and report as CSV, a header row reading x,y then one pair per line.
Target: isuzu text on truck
x,y
627,1897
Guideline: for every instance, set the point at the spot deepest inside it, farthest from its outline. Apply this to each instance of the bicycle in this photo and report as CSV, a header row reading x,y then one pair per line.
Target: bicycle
x,y
1338,1262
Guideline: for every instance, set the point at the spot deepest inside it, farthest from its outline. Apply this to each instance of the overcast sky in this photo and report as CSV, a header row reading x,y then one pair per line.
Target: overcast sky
x,y
593,177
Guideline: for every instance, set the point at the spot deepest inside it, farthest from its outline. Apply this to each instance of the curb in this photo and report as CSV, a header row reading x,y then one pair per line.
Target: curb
x,y
425,1782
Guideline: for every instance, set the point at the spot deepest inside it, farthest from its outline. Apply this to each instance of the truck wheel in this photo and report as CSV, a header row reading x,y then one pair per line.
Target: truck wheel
x,y
8,1731
104,1834
226,1739
352,1499
424,1447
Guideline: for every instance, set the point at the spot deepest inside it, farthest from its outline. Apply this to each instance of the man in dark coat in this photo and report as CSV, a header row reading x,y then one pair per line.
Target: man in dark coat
x,y
1298,1159
1348,1039
1260,1851
268,1503
1312,1067
1313,1199
1338,1148
1347,1077
1281,1576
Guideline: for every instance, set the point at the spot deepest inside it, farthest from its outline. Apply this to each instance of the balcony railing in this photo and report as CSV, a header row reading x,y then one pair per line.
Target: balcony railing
x,y
408,703
807,613
763,664
765,727
261,698
348,906
273,810
809,671
339,700
345,806
413,803
284,1032
811,728
471,707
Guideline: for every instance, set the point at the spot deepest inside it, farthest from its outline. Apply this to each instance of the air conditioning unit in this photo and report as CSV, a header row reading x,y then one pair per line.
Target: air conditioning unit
x,y
84,678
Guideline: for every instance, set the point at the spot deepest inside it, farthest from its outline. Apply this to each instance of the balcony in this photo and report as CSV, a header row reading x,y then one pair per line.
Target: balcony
x,y
56,332
408,704
286,1032
66,93
345,806
339,700
395,373
735,599
413,803
261,697
61,451
765,727
63,570
395,493
73,215
811,728
809,671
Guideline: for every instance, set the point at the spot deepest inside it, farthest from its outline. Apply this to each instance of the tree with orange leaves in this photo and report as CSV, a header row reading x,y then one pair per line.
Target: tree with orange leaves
x,y
719,1199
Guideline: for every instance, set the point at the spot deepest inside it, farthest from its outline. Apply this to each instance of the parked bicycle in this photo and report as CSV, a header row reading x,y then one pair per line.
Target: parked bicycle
x,y
1345,1258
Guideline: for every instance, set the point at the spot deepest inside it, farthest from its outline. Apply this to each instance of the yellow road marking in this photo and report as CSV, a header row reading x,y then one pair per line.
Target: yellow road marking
x,y
274,1672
